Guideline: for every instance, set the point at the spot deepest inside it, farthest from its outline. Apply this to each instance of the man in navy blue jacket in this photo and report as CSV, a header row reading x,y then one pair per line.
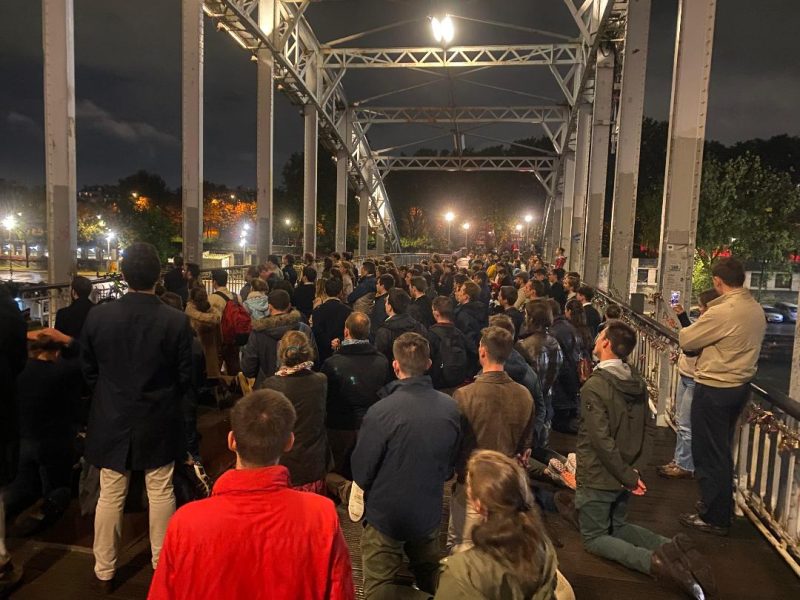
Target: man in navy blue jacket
x,y
406,451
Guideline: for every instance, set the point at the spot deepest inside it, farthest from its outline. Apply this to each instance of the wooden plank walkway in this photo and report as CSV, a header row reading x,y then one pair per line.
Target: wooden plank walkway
x,y
59,563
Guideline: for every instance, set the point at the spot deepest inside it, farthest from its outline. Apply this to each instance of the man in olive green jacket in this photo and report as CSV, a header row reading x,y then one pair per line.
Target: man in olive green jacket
x,y
615,427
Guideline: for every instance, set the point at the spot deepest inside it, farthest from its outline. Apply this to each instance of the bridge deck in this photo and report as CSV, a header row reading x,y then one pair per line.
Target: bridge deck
x,y
59,563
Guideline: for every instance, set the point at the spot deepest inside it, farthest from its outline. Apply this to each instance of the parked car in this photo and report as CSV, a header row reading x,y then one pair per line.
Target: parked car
x,y
788,310
772,314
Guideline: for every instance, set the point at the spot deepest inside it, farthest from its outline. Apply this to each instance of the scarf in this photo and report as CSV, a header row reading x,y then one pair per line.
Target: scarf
x,y
284,371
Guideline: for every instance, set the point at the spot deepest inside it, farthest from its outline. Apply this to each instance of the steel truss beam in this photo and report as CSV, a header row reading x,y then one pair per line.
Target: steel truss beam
x,y
542,167
553,119
458,56
294,47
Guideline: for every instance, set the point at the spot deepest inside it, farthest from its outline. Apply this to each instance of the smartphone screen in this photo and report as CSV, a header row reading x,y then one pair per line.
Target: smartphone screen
x,y
674,298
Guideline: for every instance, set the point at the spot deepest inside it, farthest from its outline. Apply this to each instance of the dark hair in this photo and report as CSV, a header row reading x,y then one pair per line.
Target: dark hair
x,y
420,283
251,272
707,296
358,325
274,259
310,273
555,307
540,271
613,311
538,287
172,299
336,256
219,277
512,533
730,271
193,269
294,349
399,300
444,306
510,293
333,287
279,299
573,283
387,281
471,289
538,316
622,338
368,266
524,276
504,322
482,276
177,260
327,263
141,266
308,258
577,316
199,297
413,353
289,258
82,286
559,273
262,423
498,343
587,292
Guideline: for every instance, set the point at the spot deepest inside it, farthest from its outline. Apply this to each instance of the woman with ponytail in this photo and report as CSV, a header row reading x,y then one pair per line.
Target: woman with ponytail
x,y
307,461
512,557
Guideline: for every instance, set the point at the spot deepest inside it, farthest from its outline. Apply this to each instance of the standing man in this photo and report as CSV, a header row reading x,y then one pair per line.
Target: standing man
x,y
557,291
305,291
70,319
615,428
585,294
13,356
218,301
496,414
728,336
137,359
421,307
406,450
507,298
385,283
327,320
174,281
520,281
362,297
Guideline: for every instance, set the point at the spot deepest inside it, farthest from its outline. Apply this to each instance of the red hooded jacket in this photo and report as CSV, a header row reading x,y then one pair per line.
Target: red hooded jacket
x,y
254,538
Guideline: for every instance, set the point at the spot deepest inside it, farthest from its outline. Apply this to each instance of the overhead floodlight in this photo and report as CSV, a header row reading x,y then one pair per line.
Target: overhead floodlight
x,y
443,30
10,222
528,218
449,217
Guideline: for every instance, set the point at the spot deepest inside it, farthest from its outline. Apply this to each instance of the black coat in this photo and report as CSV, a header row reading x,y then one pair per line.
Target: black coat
x,y
558,293
378,316
327,323
422,311
355,374
303,299
260,354
175,282
70,319
137,359
407,449
567,384
471,318
391,330
13,355
517,318
593,318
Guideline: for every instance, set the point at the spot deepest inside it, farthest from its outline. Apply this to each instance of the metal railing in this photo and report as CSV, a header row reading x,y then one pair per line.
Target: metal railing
x,y
766,444
44,301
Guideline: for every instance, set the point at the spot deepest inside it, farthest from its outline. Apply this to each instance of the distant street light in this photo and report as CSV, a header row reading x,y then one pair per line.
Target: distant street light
x,y
443,30
10,222
449,218
109,236
288,223
465,226
528,219
518,227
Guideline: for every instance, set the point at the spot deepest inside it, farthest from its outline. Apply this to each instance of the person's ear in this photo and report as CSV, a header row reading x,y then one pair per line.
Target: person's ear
x,y
289,443
396,367
430,364
231,442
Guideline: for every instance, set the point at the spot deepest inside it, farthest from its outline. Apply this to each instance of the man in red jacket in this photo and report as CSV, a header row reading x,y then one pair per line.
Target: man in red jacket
x,y
255,537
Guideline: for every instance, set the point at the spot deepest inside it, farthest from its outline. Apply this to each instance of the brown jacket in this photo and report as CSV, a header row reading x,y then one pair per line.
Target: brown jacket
x,y
206,326
496,414
729,334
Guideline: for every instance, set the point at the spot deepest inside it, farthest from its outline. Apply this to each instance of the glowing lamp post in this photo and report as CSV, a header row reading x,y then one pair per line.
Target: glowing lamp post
x,y
109,236
465,226
443,29
10,222
528,219
449,218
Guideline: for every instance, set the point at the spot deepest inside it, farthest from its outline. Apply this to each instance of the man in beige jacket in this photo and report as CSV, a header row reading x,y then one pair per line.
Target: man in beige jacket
x,y
728,336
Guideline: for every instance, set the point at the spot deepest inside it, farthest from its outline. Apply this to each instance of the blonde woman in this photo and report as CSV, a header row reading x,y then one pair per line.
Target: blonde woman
x,y
307,461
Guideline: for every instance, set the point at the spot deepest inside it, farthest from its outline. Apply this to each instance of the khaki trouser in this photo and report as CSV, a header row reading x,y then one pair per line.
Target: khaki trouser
x,y
462,519
108,517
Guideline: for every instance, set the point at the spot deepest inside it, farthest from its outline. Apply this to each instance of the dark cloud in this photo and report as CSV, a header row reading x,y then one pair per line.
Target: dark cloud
x,y
128,79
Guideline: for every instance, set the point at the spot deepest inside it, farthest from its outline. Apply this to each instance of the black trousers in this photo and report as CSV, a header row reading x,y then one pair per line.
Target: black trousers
x,y
715,412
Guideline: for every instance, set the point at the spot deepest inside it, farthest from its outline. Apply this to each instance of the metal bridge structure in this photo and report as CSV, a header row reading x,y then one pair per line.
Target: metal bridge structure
x,y
599,69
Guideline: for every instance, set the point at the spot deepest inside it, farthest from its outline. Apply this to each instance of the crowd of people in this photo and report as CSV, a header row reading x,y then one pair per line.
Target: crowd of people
x,y
375,389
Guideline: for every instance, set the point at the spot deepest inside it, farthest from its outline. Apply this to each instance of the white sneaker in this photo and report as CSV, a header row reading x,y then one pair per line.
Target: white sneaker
x,y
355,505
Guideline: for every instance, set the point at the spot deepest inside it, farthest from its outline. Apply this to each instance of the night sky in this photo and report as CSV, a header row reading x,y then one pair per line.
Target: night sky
x,y
127,55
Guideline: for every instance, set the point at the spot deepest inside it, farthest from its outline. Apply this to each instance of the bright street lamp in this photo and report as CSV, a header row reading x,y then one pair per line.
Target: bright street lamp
x,y
10,222
443,31
246,226
288,222
528,219
109,236
449,216
519,227
465,226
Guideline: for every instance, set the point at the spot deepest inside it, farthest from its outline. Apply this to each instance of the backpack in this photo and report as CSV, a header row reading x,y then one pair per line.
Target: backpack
x,y
236,323
449,367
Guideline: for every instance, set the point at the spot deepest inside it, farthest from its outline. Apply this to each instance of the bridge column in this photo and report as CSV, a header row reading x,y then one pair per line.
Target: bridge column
x,y
563,235
553,233
581,187
631,106
380,243
192,128
363,221
265,107
342,159
598,167
688,106
310,181
59,132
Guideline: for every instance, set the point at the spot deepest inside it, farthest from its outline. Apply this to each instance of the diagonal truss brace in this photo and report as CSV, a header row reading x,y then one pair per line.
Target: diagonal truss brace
x,y
459,56
296,53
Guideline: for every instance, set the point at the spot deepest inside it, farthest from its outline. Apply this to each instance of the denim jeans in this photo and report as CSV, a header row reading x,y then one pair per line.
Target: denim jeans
x,y
45,471
683,416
